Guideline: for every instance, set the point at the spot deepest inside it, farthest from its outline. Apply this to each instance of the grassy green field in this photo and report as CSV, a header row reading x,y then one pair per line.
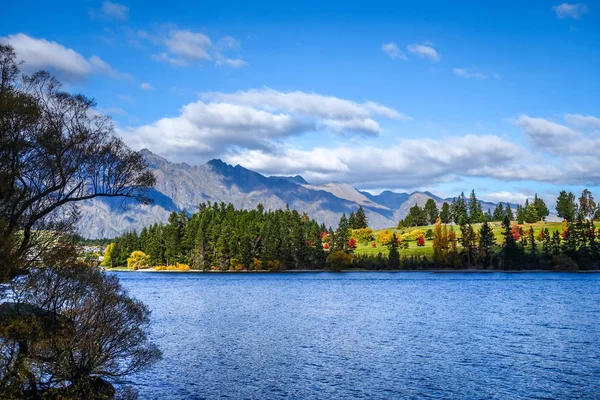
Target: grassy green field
x,y
413,249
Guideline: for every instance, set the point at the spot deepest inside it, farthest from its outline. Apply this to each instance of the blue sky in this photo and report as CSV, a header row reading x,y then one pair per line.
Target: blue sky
x,y
444,96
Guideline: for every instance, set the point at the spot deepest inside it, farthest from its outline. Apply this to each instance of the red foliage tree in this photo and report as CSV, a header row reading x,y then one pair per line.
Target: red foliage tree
x,y
420,241
516,232
352,243
326,246
374,244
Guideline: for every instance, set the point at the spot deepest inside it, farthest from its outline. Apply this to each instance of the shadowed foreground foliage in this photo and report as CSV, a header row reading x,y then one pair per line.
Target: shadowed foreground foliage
x,y
66,330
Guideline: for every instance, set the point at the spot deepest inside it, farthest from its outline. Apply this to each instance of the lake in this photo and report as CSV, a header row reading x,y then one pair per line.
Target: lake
x,y
371,335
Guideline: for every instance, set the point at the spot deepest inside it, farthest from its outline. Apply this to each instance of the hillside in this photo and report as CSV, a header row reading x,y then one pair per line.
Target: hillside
x,y
182,187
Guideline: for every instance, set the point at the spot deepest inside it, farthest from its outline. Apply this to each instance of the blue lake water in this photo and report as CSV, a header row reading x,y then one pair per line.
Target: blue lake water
x,y
371,335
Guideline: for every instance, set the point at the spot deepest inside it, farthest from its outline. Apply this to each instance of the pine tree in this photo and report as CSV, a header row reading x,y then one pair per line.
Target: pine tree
x,y
394,255
431,210
361,219
521,213
475,212
498,213
510,250
566,208
468,241
342,234
531,215
445,213
540,207
458,210
352,223
486,242
509,213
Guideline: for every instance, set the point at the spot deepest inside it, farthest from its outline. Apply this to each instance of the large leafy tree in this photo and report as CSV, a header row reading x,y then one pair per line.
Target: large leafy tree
x,y
55,151
67,326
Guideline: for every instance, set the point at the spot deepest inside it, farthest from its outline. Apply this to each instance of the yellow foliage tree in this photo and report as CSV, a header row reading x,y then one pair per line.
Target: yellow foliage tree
x,y
384,238
108,255
137,259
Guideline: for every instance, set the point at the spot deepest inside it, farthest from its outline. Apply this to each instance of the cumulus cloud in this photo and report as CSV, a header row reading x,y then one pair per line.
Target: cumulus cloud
x,y
396,166
309,104
392,50
566,10
255,120
560,139
66,63
184,47
583,121
424,50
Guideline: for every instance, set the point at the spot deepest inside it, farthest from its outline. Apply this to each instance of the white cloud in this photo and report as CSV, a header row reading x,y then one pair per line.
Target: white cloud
x,y
189,45
209,129
184,47
66,63
392,50
546,134
254,120
396,166
307,104
146,86
583,121
424,50
470,73
504,197
566,10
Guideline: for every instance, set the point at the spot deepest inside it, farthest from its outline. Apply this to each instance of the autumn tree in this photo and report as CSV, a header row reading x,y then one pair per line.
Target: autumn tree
x,y
440,243
587,205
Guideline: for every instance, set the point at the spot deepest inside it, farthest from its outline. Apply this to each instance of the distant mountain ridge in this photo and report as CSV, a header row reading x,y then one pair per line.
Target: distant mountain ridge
x,y
180,186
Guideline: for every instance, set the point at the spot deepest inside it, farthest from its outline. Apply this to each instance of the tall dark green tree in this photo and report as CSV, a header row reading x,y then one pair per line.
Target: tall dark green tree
x,y
509,212
416,216
432,211
394,255
498,213
487,241
540,207
352,223
458,210
566,208
531,215
475,211
342,234
361,219
445,213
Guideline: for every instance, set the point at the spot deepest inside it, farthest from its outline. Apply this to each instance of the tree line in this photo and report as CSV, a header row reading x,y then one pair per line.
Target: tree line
x,y
462,210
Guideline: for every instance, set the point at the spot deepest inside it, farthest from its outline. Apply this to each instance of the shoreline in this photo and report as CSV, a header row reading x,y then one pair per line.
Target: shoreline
x,y
296,271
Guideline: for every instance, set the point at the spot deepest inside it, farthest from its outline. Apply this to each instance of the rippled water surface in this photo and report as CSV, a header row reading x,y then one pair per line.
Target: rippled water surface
x,y
372,335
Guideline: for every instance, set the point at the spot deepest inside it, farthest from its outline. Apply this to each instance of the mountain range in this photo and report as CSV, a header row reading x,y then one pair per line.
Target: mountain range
x,y
180,187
